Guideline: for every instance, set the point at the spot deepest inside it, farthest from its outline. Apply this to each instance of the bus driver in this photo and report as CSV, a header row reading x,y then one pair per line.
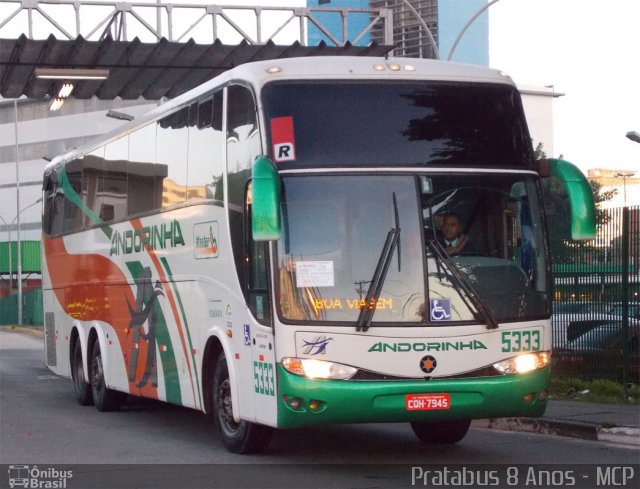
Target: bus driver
x,y
451,236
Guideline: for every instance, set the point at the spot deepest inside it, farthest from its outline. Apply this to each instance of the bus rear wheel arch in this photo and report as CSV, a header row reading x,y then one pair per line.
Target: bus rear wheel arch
x,y
441,432
238,437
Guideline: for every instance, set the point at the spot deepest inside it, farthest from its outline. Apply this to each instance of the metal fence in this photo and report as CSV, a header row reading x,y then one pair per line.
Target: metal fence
x,y
31,309
596,314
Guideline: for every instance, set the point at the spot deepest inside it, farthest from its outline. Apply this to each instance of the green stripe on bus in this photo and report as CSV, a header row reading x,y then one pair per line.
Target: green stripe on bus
x,y
73,197
165,263
163,339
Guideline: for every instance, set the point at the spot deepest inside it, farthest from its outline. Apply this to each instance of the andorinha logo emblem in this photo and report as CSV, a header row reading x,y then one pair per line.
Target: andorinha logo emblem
x,y
205,240
317,346
428,364
382,347
165,235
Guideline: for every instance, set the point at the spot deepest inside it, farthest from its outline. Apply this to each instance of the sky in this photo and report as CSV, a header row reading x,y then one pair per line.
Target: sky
x,y
589,50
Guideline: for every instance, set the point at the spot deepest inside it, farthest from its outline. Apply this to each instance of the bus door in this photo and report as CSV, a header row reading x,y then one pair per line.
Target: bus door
x,y
258,331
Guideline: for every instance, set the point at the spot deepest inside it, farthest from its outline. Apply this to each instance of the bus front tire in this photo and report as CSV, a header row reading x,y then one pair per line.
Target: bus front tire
x,y
441,432
105,399
237,437
81,388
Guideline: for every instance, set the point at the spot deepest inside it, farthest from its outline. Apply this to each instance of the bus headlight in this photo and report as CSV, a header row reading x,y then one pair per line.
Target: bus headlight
x,y
527,362
318,369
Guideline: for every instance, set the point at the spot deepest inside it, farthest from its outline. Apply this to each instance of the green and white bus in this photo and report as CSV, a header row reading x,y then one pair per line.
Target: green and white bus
x,y
266,248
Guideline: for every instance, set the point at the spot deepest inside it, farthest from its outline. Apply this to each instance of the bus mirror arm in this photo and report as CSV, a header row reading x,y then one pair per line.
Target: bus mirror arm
x,y
583,211
265,204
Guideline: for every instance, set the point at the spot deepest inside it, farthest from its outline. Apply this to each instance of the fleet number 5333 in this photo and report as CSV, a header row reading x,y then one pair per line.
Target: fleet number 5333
x,y
521,341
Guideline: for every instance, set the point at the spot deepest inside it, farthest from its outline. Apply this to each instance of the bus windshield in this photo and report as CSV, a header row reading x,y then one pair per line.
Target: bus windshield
x,y
381,123
335,228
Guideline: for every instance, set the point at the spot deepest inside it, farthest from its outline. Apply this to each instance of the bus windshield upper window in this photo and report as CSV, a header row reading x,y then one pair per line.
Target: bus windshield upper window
x,y
335,124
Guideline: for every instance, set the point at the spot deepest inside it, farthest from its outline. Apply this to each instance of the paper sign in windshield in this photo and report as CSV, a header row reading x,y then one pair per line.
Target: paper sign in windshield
x,y
314,274
284,144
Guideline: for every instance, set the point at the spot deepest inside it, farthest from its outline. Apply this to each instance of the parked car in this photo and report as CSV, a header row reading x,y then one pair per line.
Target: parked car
x,y
615,309
572,319
598,353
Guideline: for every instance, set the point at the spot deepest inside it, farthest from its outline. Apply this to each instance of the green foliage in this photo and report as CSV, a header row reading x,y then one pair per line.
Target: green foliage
x,y
605,391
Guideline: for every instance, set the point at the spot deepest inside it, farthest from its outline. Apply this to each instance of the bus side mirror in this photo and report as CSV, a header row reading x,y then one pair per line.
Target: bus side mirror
x,y
265,203
583,209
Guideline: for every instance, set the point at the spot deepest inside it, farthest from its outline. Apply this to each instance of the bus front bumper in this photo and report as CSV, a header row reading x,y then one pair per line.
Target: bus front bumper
x,y
304,402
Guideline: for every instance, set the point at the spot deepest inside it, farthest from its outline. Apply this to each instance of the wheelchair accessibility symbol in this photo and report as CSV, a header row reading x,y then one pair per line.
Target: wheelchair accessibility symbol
x,y
440,309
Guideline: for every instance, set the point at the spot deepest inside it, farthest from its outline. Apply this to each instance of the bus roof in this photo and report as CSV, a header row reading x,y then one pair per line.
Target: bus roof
x,y
316,68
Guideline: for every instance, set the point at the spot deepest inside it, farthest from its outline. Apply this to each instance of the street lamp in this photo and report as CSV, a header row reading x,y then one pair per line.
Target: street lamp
x,y
466,26
634,136
624,176
19,271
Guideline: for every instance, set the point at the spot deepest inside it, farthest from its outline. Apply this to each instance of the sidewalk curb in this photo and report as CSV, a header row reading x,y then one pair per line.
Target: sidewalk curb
x,y
22,329
627,435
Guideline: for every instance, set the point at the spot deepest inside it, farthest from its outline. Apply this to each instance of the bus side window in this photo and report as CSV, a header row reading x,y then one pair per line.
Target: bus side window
x,y
172,144
256,269
72,213
243,145
206,163
113,206
49,187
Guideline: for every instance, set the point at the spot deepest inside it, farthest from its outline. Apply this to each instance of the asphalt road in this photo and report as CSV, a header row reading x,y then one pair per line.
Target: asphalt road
x,y
40,423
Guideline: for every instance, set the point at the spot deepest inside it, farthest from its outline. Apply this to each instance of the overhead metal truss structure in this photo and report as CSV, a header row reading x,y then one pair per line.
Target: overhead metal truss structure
x,y
96,20
155,50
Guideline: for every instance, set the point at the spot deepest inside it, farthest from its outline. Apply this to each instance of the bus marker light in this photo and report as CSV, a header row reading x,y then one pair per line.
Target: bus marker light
x,y
293,365
379,67
272,70
315,405
237,356
296,403
543,395
409,68
261,358
194,351
394,67
529,398
230,333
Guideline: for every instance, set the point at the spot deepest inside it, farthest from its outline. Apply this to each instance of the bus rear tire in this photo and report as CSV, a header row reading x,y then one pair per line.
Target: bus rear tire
x,y
441,432
81,388
105,399
242,437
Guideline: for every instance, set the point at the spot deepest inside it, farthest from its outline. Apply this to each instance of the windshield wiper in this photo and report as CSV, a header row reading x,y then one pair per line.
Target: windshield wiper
x,y
461,282
375,289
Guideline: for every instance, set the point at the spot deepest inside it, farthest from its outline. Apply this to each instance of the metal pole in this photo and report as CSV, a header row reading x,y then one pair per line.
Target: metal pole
x,y
464,29
434,46
625,300
19,276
